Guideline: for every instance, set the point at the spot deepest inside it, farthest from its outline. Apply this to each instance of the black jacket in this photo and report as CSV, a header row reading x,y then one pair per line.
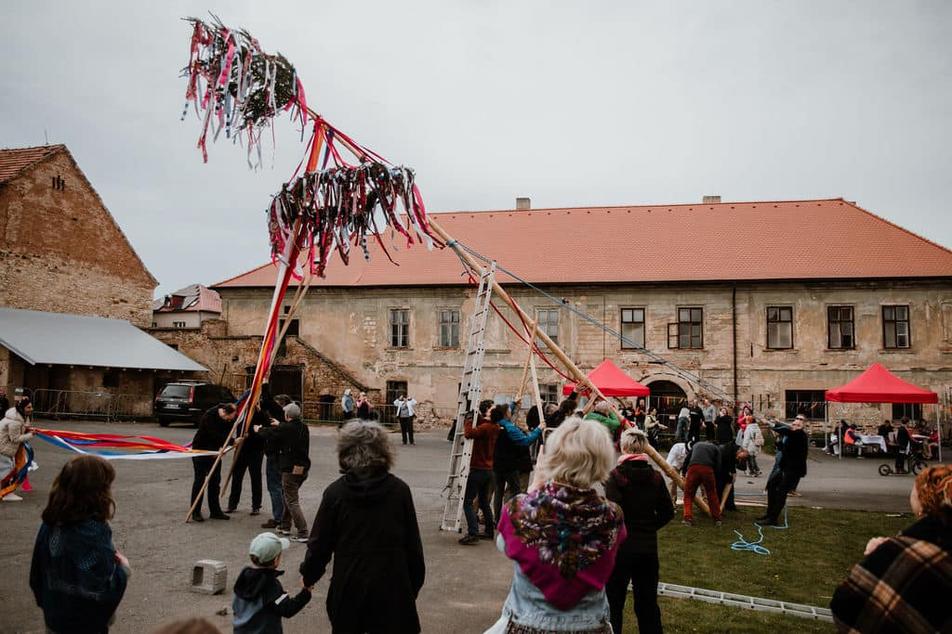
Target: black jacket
x,y
260,602
369,526
292,442
725,429
508,456
796,445
640,491
212,431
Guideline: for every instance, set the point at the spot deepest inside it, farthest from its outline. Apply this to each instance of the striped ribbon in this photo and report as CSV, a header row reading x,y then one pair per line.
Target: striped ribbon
x,y
117,446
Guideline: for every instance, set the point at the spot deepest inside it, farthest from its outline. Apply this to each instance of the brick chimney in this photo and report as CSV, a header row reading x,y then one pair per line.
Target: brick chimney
x,y
710,200
523,203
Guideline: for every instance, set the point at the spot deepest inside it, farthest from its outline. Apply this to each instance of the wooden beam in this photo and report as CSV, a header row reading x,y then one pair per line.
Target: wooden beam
x,y
580,377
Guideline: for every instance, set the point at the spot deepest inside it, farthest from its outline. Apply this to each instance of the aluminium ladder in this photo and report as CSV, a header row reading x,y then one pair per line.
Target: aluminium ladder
x,y
470,392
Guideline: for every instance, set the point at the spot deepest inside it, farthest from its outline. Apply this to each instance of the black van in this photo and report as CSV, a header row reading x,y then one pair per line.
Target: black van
x,y
186,401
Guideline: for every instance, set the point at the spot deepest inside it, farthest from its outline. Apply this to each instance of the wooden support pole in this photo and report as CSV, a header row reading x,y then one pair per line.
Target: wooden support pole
x,y
580,377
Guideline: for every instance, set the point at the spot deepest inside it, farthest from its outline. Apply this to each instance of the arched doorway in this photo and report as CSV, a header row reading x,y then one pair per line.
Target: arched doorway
x,y
668,397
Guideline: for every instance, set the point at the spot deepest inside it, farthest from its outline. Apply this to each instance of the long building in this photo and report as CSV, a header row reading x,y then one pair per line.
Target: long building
x,y
770,301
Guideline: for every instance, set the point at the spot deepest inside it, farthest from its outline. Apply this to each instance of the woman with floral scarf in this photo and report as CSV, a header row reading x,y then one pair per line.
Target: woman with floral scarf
x,y
562,537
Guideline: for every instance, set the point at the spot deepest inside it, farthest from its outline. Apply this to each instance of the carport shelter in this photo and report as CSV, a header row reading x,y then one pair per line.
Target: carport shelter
x,y
83,365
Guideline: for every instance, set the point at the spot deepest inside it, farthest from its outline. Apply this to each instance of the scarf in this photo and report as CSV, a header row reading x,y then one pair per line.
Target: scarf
x,y
564,540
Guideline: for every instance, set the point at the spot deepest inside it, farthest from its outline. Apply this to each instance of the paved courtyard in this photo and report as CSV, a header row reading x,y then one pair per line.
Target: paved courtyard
x,y
465,586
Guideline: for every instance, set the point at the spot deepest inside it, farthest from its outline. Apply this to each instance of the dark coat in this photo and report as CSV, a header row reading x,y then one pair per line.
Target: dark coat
x,y
260,602
292,441
508,456
725,429
640,491
796,446
212,431
903,585
369,526
75,578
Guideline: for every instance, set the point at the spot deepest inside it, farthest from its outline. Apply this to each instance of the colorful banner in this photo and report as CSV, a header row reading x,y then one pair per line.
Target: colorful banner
x,y
21,466
117,446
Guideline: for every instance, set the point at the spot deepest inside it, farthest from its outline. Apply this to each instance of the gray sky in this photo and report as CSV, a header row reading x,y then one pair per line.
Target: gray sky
x,y
570,103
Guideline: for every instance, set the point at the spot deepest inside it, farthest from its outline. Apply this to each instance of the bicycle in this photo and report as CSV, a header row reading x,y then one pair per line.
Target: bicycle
x,y
917,462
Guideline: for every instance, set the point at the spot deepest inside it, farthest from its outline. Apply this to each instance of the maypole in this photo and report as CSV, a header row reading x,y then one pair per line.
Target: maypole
x,y
346,192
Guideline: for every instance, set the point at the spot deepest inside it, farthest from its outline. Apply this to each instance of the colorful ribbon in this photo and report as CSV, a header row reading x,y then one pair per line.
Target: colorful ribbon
x,y
116,446
21,466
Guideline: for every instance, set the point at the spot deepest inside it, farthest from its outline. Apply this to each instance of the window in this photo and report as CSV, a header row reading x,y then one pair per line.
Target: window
x,y
632,328
911,410
840,320
178,324
688,332
548,322
155,324
449,328
110,378
549,393
394,390
779,327
294,328
399,327
895,327
810,403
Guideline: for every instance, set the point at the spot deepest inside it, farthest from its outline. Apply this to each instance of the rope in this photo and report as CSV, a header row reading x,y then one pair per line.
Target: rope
x,y
605,328
757,547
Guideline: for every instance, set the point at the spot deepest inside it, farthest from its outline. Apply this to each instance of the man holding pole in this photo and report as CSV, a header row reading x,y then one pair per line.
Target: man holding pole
x,y
212,435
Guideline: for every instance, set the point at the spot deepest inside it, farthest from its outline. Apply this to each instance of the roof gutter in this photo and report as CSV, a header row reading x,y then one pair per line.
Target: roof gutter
x,y
734,338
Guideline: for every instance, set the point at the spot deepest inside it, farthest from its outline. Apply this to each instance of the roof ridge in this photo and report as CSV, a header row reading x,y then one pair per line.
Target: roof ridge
x,y
51,151
900,227
235,277
638,206
33,147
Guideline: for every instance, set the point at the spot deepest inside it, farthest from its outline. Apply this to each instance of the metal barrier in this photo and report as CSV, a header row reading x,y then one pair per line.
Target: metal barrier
x,y
77,404
333,412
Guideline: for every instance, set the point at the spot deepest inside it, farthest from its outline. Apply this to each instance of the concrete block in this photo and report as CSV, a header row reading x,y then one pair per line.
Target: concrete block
x,y
209,577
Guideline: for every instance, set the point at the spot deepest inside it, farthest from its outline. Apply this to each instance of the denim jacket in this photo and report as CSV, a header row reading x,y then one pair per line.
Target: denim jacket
x,y
526,606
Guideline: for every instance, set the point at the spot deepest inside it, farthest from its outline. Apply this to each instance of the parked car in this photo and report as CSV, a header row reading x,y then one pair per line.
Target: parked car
x,y
186,401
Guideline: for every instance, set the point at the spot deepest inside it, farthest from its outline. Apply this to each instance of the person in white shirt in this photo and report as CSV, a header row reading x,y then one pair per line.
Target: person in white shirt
x,y
405,409
752,442
676,457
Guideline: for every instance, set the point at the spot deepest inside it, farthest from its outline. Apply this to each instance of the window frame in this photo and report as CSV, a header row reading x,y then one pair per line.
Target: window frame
x,y
818,404
553,390
399,340
830,322
678,333
449,342
895,321
544,326
643,322
779,308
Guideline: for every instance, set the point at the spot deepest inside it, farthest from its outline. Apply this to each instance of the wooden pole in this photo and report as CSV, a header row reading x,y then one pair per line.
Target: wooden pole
x,y
579,376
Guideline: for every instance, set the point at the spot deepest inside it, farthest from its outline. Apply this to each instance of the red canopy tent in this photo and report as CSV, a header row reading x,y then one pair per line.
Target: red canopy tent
x,y
611,381
879,385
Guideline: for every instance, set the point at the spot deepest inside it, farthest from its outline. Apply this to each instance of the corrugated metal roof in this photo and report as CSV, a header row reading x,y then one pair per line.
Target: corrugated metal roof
x,y
64,339
772,240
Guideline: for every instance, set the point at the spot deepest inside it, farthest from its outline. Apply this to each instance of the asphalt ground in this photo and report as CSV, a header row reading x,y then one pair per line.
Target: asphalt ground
x,y
465,586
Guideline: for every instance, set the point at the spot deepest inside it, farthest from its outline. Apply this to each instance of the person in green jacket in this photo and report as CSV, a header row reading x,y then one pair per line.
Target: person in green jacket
x,y
603,414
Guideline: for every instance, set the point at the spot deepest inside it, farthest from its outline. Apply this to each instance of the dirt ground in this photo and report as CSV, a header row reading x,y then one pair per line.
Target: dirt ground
x,y
465,586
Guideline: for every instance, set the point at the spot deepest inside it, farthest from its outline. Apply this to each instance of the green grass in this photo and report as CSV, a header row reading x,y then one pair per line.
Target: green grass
x,y
806,563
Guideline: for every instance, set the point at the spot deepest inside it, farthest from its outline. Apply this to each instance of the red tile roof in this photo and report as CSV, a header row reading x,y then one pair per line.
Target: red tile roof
x,y
783,240
15,160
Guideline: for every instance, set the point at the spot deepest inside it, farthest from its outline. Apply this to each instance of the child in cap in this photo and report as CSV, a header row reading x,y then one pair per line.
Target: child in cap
x,y
260,602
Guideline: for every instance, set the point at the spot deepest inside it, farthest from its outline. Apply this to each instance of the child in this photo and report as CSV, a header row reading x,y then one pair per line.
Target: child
x,y
260,601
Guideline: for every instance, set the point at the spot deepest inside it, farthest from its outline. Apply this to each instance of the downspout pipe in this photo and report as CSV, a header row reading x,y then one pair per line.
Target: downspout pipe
x,y
734,338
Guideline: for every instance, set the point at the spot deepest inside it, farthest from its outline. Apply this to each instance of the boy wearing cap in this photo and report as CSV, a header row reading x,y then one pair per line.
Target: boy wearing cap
x,y
260,601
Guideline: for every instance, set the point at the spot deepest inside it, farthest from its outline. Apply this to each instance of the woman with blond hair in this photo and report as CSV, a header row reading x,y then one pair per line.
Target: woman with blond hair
x,y
904,582
77,575
562,537
640,491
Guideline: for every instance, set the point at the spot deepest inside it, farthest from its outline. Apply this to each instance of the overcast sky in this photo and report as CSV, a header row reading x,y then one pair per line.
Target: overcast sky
x,y
570,103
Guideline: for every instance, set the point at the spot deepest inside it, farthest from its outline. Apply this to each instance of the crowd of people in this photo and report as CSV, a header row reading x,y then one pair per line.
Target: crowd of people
x,y
579,534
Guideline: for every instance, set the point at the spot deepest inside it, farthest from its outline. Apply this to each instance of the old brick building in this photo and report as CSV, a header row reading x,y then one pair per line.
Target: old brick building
x,y
62,252
769,301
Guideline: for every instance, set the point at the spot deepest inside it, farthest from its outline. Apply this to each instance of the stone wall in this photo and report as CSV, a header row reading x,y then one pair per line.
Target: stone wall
x,y
231,360
61,251
351,326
